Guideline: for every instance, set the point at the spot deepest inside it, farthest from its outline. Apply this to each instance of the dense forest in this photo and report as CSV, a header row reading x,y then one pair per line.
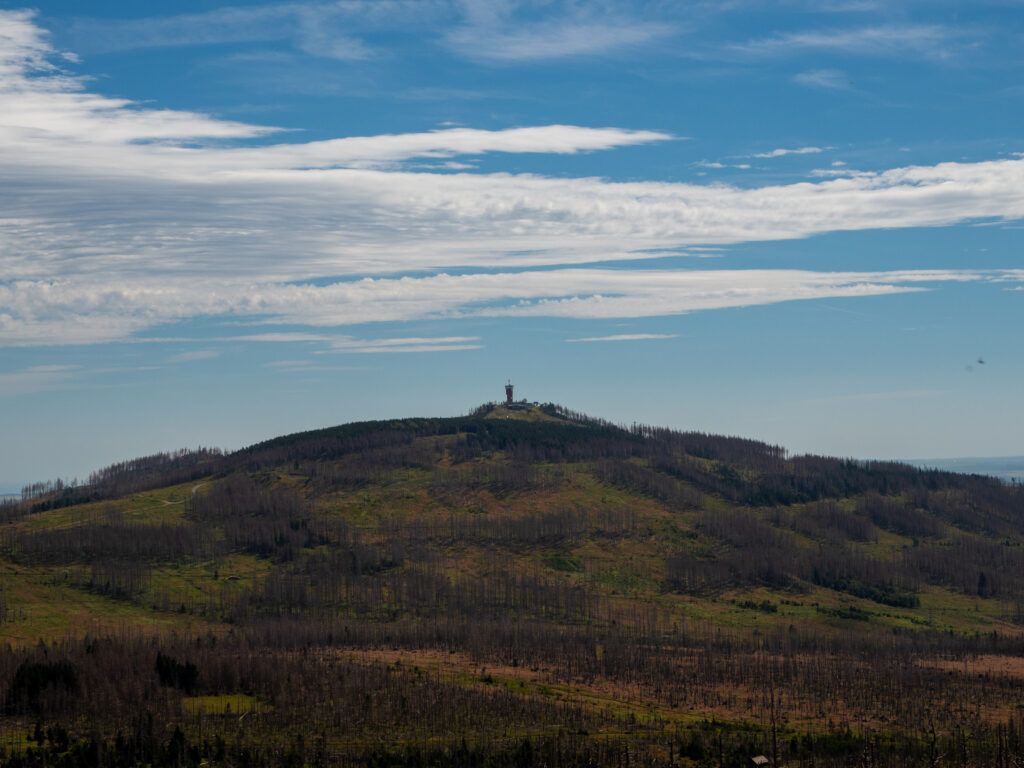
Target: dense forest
x,y
512,588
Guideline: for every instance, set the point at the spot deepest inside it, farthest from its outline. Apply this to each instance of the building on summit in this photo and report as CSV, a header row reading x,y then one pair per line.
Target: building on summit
x,y
516,405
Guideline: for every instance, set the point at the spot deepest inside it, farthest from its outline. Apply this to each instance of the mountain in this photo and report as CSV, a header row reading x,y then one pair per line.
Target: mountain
x,y
518,587
1004,467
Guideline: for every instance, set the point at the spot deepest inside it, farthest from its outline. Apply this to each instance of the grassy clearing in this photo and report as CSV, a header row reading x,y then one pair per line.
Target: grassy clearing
x,y
632,704
163,506
624,566
40,607
532,415
226,704
197,583
404,495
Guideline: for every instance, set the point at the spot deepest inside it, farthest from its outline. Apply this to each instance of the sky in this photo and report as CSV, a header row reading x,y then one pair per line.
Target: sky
x,y
795,221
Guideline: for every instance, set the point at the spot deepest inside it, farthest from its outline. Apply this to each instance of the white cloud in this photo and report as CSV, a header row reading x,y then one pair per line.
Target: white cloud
x,y
545,41
899,41
40,102
601,294
716,165
222,25
289,337
576,293
114,220
193,356
841,172
625,337
48,114
348,344
495,32
782,152
504,33
289,364
829,79
326,29
38,378
308,367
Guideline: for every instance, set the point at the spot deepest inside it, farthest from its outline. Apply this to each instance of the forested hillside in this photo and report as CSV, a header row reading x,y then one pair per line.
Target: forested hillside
x,y
512,588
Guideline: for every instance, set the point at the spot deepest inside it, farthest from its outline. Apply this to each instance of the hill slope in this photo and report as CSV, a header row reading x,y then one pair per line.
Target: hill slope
x,y
540,572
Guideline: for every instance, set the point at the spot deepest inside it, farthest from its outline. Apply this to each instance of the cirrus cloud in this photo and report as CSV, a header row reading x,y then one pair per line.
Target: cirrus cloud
x,y
70,312
624,337
116,217
783,152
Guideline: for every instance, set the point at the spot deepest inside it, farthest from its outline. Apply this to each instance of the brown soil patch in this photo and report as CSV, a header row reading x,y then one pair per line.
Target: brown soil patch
x,y
987,664
442,661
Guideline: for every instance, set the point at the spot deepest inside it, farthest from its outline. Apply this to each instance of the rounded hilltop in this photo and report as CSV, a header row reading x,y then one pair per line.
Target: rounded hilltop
x,y
522,410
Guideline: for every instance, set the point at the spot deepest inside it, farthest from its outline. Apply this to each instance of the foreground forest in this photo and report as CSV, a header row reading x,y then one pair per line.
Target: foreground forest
x,y
512,588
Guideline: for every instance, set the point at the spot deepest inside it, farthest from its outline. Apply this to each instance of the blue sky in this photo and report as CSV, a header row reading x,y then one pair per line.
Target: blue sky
x,y
795,221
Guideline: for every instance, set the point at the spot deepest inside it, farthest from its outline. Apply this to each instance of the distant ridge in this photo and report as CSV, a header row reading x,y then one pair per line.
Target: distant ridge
x,y
1003,467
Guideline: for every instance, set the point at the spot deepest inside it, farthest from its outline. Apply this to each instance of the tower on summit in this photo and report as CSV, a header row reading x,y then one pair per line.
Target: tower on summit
x,y
508,393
